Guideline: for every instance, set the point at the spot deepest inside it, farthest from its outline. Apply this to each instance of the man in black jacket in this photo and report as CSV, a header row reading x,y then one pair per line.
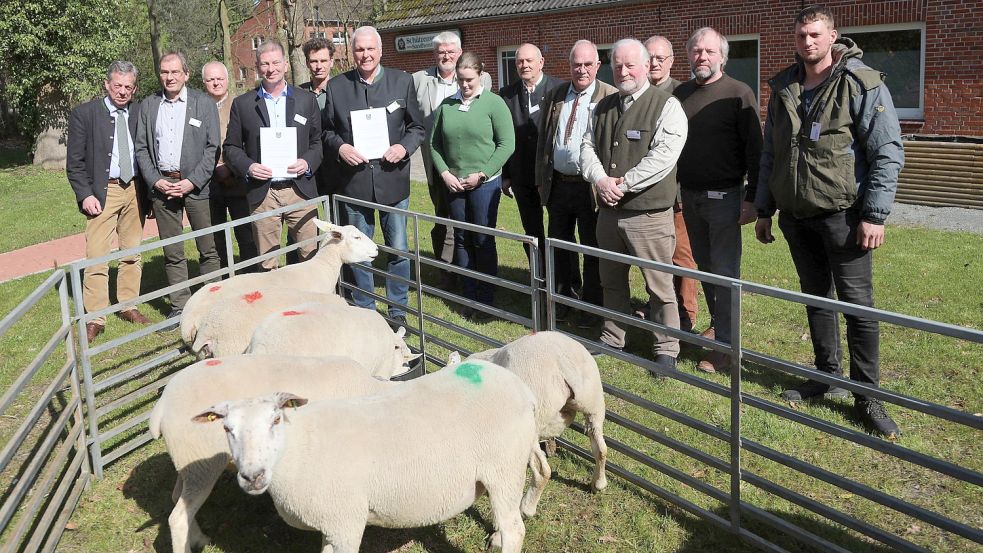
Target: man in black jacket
x,y
102,170
382,177
519,175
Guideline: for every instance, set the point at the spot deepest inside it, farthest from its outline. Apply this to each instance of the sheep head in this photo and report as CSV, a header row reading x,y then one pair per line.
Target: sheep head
x,y
347,242
402,354
255,434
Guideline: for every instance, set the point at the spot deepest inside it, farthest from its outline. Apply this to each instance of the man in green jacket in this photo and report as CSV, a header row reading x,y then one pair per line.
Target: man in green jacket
x,y
830,162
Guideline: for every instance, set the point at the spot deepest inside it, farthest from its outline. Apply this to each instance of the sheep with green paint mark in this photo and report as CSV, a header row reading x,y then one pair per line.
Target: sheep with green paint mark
x,y
564,377
340,245
315,329
200,453
414,455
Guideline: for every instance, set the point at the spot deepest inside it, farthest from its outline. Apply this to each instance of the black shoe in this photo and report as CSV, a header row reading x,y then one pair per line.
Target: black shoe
x,y
174,321
663,364
812,389
563,312
398,321
596,350
874,415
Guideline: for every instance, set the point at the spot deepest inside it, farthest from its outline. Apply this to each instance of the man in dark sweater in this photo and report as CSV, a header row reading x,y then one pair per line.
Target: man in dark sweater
x,y
723,148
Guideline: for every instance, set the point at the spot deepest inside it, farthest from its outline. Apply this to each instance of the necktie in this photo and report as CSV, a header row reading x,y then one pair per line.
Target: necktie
x,y
123,147
571,120
626,103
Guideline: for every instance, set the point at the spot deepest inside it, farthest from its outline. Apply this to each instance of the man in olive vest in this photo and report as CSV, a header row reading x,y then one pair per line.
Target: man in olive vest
x,y
629,155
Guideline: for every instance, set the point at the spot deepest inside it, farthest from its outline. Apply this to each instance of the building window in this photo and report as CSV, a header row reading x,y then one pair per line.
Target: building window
x,y
742,61
318,34
242,73
898,51
507,73
604,73
338,37
257,41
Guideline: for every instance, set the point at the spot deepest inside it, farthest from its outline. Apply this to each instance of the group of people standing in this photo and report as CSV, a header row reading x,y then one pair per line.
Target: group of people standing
x,y
649,167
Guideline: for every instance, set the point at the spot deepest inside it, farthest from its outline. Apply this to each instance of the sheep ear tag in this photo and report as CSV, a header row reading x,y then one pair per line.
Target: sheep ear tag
x,y
470,372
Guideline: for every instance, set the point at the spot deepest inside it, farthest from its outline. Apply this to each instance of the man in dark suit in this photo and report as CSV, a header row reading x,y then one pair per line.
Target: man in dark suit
x,y
519,175
319,58
278,105
562,188
103,173
386,179
177,144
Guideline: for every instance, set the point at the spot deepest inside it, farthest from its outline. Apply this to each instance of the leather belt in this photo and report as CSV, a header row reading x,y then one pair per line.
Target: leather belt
x,y
120,182
558,176
171,174
281,184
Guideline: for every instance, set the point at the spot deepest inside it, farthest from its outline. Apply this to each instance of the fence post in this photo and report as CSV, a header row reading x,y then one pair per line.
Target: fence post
x,y
419,288
550,284
95,449
534,280
66,320
735,407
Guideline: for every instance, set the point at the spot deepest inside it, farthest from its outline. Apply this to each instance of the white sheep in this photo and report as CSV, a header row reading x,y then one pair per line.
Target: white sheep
x,y
415,455
228,326
201,453
564,377
341,244
315,329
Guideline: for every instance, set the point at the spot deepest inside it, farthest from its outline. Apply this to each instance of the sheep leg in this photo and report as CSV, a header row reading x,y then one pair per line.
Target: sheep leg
x,y
540,476
504,497
595,430
342,542
178,486
196,484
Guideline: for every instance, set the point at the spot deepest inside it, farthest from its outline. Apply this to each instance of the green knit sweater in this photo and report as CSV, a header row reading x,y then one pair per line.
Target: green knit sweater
x,y
478,140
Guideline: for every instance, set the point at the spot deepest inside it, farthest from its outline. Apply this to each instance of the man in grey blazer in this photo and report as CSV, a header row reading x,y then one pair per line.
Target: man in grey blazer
x,y
432,86
103,173
386,179
177,147
567,196
276,104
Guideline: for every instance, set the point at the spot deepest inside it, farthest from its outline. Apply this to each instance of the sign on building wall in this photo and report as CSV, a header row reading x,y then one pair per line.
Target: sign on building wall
x,y
420,42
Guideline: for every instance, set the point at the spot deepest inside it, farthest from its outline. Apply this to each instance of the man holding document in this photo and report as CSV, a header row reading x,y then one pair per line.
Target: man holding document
x,y
274,142
372,125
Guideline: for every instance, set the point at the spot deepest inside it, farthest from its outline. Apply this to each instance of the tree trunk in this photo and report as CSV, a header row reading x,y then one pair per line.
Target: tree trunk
x,y
51,145
223,21
154,35
291,29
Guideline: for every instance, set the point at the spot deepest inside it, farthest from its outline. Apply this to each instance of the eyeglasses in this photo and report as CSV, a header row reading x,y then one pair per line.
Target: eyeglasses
x,y
661,59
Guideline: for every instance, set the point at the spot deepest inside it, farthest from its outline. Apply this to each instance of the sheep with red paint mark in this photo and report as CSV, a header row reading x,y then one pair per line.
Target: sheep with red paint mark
x,y
200,452
331,329
565,379
228,326
340,245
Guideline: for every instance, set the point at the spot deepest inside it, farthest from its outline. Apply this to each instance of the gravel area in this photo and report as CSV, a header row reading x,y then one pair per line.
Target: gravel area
x,y
942,218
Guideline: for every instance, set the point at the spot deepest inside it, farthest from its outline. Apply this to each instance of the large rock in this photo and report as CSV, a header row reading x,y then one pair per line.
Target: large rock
x,y
50,148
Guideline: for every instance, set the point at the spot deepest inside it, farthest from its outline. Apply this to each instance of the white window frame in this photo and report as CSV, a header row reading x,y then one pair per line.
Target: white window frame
x,y
737,38
257,42
338,37
502,69
242,73
599,48
903,113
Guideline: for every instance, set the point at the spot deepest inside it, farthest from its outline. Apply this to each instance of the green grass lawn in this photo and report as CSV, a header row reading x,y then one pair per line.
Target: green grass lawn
x,y
924,273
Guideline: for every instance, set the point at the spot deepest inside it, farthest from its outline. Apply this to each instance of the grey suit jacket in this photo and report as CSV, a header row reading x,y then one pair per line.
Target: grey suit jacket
x,y
199,148
378,180
548,123
91,132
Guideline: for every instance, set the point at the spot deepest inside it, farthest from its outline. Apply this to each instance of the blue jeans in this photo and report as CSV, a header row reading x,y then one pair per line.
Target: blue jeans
x,y
394,235
475,250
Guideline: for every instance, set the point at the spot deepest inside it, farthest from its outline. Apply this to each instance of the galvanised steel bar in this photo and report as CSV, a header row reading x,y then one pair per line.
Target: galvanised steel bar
x,y
30,301
39,360
58,528
73,479
142,368
32,417
735,406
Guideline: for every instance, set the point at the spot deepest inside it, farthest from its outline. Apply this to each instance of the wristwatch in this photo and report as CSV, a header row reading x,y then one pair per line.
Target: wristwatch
x,y
482,178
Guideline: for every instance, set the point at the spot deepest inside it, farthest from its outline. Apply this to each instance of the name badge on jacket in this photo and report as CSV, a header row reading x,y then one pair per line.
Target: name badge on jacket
x,y
300,119
634,135
194,122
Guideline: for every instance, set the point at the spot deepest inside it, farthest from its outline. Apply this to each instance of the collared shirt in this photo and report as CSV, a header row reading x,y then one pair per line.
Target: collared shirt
x,y
467,102
169,132
375,75
445,88
114,161
670,137
320,94
276,107
529,93
566,157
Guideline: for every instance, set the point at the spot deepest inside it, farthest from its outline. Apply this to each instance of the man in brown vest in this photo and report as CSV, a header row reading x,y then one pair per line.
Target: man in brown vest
x,y
629,155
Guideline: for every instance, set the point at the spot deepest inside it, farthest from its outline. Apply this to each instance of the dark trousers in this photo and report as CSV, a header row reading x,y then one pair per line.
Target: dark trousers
x,y
222,208
475,250
571,208
827,258
169,223
531,214
440,236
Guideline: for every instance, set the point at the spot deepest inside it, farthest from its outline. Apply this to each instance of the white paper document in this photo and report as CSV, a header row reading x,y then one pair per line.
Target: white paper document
x,y
370,132
278,149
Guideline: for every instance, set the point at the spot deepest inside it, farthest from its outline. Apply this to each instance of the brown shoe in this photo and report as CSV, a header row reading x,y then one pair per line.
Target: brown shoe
x,y
92,330
715,362
134,316
709,334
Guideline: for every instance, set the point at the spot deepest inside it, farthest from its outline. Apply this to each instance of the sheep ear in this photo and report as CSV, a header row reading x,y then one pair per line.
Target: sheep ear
x,y
323,226
284,400
454,358
400,332
212,414
407,357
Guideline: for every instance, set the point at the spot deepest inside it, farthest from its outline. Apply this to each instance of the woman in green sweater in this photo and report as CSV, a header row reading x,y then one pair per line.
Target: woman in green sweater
x,y
471,139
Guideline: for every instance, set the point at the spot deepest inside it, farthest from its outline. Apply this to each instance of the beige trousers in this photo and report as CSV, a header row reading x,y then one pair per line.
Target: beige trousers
x,y
121,216
300,224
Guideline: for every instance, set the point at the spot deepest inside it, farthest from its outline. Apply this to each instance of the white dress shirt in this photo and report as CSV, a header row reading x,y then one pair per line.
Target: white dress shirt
x,y
169,132
566,157
114,161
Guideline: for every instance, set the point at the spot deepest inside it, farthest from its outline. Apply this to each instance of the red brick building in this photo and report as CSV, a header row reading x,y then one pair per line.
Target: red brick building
x,y
930,50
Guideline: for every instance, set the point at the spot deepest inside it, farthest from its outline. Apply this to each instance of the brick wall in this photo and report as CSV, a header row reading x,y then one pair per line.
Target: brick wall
x,y
952,93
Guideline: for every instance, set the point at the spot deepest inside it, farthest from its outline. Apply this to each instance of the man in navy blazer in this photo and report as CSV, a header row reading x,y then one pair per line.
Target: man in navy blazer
x,y
177,146
276,104
385,179
103,173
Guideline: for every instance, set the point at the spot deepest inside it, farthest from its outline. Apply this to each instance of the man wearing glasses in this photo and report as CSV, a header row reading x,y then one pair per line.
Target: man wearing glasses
x,y
723,148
